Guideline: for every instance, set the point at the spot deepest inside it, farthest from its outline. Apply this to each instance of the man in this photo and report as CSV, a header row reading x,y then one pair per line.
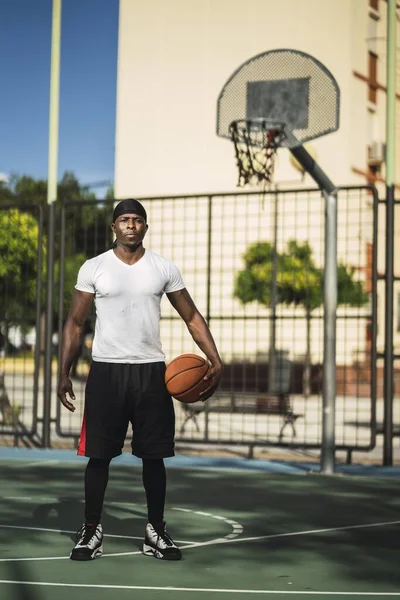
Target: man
x,y
126,378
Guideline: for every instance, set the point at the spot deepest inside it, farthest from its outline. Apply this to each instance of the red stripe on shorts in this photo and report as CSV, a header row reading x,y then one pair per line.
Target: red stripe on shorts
x,y
82,439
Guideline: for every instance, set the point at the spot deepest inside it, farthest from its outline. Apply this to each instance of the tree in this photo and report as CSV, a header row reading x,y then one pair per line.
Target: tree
x,y
87,232
19,245
299,282
110,194
71,268
28,190
19,289
23,189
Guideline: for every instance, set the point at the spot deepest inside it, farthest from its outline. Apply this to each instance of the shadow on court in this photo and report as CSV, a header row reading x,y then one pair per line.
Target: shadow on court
x,y
242,533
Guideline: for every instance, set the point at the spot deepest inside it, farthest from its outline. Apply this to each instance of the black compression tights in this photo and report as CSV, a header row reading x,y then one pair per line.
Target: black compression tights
x,y
96,479
155,484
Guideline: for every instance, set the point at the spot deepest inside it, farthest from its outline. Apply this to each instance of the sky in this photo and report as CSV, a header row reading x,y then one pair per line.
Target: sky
x,y
89,38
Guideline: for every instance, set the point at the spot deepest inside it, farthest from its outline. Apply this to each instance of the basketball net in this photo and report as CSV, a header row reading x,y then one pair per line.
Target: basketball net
x,y
256,143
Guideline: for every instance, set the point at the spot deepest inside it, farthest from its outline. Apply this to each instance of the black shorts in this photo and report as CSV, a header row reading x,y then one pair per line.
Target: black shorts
x,y
118,394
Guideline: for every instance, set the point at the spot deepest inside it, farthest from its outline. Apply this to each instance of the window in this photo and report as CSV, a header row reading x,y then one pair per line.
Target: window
x,y
374,4
372,77
398,312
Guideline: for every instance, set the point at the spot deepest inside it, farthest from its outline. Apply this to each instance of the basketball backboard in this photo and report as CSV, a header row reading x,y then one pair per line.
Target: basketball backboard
x,y
285,86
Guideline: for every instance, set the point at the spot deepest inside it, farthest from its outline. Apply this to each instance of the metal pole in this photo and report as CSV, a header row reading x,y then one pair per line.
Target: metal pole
x,y
208,309
308,163
329,191
390,191
51,199
38,325
330,306
272,362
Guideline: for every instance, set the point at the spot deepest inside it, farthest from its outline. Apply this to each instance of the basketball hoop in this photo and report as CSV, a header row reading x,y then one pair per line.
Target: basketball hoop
x,y
256,143
281,97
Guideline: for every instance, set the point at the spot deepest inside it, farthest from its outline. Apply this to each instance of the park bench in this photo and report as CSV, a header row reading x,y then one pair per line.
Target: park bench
x,y
275,400
278,404
266,404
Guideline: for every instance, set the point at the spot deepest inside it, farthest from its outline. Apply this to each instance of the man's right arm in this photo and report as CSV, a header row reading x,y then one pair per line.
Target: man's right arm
x,y
70,343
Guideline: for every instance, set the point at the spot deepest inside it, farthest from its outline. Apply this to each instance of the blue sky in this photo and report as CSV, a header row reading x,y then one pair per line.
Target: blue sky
x,y
89,41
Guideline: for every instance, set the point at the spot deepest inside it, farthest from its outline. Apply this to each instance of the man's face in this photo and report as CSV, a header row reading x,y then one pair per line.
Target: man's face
x,y
129,229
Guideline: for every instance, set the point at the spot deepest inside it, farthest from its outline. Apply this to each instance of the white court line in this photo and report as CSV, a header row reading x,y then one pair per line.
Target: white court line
x,y
211,542
237,529
294,533
23,498
30,559
128,537
110,535
186,589
38,463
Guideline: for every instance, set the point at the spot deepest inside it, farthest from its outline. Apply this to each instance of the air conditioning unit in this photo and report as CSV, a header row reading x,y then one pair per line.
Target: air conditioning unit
x,y
376,153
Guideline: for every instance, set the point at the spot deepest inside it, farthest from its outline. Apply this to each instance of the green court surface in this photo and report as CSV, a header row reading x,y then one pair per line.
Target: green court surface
x,y
244,532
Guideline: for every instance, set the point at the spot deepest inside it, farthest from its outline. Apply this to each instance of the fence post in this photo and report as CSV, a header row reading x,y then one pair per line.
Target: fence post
x,y
48,357
208,307
390,191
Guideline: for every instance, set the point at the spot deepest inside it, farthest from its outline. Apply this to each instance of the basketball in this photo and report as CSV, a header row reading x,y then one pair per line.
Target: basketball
x,y
184,377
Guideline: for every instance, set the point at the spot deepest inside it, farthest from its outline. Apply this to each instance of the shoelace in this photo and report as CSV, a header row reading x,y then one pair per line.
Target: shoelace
x,y
166,539
87,534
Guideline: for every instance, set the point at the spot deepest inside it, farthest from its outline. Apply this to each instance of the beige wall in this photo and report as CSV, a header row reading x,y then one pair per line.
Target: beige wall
x,y
176,55
174,58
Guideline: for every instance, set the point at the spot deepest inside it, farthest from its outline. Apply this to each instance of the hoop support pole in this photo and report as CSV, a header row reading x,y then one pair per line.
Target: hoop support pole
x,y
329,191
313,169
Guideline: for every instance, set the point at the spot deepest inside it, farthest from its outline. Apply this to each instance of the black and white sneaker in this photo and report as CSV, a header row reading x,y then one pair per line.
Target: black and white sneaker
x,y
159,544
89,543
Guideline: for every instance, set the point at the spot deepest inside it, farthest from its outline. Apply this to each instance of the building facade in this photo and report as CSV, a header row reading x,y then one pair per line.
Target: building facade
x,y
174,58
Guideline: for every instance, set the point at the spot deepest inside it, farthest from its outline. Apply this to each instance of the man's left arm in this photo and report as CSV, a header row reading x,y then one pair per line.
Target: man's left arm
x,y
200,332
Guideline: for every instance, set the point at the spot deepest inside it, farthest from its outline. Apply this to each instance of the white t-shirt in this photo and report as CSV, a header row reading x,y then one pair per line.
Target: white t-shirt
x,y
127,299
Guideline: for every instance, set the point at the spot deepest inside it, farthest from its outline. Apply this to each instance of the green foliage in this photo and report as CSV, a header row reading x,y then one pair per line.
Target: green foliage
x,y
299,280
350,292
18,265
110,194
28,190
72,265
87,233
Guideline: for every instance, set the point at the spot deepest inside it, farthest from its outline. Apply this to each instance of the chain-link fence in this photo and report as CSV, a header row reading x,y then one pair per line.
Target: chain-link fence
x,y
253,264
22,250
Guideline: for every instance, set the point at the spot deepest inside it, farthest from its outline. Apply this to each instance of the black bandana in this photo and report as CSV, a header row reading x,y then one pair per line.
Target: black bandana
x,y
130,205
